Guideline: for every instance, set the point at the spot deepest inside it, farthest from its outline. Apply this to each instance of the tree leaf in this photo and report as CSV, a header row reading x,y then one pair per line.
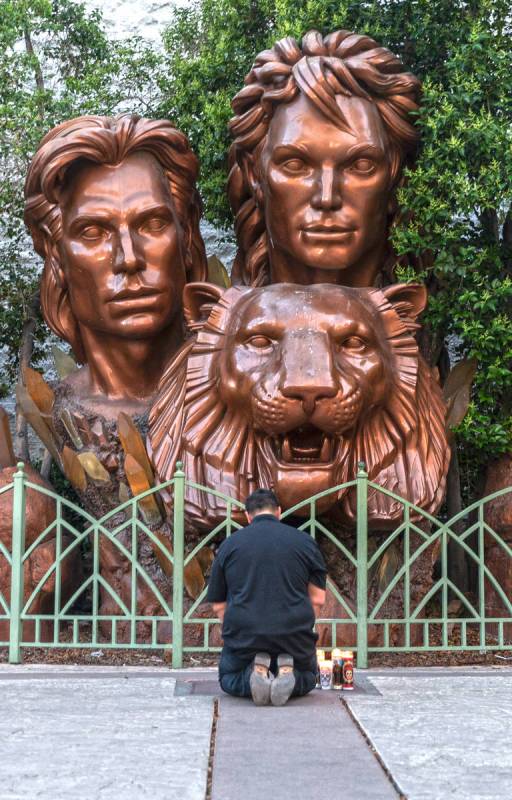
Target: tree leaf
x,y
34,417
133,444
69,425
93,467
139,483
73,469
65,364
41,393
217,273
457,391
205,557
193,579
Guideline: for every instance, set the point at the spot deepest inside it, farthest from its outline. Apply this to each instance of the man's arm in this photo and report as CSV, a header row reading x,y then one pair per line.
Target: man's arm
x,y
217,589
317,597
219,609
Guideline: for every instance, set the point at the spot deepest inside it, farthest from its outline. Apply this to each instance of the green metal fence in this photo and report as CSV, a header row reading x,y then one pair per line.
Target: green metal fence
x,y
399,608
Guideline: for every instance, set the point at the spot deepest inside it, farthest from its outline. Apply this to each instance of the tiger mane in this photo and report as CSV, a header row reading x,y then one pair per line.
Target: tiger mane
x,y
188,417
403,443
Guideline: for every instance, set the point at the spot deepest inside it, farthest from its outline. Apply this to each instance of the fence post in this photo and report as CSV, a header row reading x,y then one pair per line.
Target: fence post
x,y
179,557
362,566
17,551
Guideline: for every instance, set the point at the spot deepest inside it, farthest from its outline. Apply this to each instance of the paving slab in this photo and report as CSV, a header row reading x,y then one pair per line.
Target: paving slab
x,y
309,748
93,737
442,733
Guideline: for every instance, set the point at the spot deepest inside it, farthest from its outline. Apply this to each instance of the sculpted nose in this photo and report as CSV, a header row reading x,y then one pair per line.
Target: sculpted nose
x,y
327,191
126,258
309,372
310,395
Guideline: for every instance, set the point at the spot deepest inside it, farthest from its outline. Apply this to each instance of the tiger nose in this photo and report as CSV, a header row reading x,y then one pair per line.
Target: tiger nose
x,y
308,370
310,394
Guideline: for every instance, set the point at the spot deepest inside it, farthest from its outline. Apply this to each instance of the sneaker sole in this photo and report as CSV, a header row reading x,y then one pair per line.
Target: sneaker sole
x,y
260,689
281,689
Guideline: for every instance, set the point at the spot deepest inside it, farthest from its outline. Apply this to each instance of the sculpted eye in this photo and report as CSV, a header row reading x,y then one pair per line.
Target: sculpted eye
x,y
155,224
363,165
92,233
353,344
260,342
294,165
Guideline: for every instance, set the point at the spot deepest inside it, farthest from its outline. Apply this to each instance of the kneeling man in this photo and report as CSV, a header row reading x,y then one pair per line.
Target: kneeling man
x,y
267,586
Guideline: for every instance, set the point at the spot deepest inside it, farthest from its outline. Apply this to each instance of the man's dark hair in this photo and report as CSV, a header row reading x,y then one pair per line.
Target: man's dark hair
x,y
260,500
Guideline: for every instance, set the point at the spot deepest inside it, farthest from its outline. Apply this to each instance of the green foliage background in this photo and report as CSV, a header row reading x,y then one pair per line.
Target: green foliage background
x,y
455,230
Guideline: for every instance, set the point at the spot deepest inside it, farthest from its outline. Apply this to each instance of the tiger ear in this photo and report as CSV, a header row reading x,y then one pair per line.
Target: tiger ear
x,y
198,301
408,299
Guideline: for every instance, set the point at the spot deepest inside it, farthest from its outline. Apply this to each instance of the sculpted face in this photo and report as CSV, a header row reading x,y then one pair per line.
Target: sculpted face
x,y
290,387
303,366
326,193
120,249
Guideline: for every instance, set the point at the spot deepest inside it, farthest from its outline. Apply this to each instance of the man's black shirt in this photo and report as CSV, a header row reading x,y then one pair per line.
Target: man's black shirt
x,y
262,572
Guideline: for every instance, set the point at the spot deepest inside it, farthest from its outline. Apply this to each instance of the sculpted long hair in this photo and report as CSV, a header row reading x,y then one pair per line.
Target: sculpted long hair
x,y
104,140
322,68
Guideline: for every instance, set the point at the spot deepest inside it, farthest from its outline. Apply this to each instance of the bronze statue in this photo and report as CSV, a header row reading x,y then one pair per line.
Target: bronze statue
x,y
291,386
321,132
113,208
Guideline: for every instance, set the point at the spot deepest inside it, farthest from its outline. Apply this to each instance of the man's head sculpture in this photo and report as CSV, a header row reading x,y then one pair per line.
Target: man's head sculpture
x,y
290,387
322,131
113,208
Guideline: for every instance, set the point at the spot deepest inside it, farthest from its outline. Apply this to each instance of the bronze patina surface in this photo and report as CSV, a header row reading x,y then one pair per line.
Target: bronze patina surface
x,y
322,132
290,387
112,207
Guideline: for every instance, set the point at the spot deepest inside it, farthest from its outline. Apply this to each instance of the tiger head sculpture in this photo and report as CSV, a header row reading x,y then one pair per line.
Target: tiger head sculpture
x,y
289,387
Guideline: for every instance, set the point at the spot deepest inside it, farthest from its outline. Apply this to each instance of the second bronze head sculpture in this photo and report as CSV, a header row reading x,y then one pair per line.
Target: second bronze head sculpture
x,y
322,131
113,208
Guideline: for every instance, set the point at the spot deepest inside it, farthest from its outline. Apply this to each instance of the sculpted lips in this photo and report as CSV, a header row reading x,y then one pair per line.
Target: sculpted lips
x,y
306,445
327,232
134,295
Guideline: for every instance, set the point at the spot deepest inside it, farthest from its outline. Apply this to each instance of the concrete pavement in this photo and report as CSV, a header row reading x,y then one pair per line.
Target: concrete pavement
x,y
99,733
310,749
96,734
442,732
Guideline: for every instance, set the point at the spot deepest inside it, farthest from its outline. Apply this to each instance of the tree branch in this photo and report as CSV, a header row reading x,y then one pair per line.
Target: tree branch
x,y
489,221
38,73
25,354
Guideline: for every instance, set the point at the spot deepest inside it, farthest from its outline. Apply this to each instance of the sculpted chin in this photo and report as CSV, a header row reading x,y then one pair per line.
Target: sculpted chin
x,y
290,387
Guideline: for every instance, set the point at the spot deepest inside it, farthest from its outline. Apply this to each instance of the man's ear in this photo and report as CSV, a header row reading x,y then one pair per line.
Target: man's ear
x,y
198,301
408,299
251,177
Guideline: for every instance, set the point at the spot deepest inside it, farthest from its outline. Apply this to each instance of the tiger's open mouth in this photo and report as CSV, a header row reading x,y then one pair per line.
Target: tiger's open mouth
x,y
306,445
